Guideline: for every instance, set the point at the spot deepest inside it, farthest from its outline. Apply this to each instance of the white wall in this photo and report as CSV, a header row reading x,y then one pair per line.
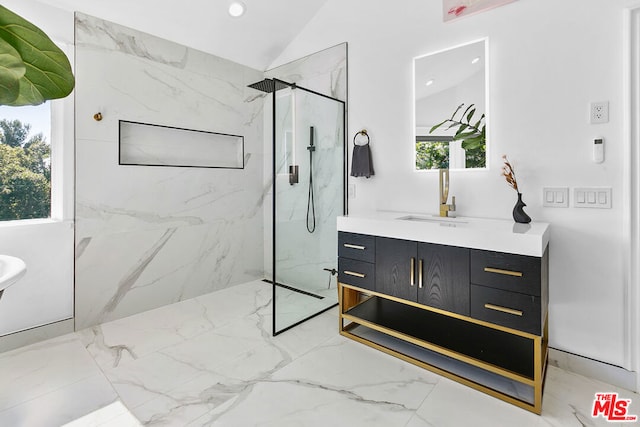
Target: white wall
x,y
45,294
547,61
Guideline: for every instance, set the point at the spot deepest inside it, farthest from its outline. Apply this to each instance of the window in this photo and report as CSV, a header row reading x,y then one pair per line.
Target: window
x,y
37,175
25,162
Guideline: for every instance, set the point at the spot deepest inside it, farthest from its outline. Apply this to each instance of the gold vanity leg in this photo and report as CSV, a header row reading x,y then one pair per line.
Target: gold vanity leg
x,y
541,348
347,298
351,298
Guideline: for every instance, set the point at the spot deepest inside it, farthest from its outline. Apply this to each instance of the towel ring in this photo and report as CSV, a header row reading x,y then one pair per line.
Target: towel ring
x,y
362,132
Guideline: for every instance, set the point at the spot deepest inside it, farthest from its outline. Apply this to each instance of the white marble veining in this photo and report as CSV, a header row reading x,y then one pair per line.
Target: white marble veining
x,y
476,233
211,361
148,236
324,72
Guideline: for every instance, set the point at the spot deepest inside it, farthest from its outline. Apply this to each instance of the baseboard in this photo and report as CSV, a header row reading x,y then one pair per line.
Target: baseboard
x,y
595,369
34,335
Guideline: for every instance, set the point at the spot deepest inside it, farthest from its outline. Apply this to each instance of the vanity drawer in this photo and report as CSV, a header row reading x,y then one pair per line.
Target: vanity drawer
x,y
357,246
510,309
356,273
517,273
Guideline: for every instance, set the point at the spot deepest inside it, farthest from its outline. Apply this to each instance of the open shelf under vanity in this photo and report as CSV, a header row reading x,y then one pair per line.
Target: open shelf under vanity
x,y
506,364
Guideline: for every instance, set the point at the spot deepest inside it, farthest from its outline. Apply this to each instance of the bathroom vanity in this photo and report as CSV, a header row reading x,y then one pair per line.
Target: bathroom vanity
x,y
463,297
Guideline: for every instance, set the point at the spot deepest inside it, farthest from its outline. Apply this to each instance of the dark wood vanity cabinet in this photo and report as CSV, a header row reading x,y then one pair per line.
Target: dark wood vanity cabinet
x,y
395,268
510,290
356,258
445,277
426,273
476,316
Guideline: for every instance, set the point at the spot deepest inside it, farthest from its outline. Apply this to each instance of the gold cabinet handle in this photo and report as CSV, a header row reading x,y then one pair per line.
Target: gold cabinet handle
x,y
354,274
420,274
350,246
503,309
505,272
413,271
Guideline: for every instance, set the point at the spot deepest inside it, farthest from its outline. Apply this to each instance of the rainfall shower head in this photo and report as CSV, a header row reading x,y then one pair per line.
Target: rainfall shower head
x,y
270,85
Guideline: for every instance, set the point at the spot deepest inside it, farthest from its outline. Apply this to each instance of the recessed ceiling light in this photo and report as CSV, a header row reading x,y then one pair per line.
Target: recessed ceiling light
x,y
429,82
237,9
475,60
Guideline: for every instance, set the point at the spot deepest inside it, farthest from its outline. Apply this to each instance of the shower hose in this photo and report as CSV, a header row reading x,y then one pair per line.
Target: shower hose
x,y
311,206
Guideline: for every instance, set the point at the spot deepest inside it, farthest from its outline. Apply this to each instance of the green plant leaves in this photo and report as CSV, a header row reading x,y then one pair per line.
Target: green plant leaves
x,y
47,72
473,136
11,71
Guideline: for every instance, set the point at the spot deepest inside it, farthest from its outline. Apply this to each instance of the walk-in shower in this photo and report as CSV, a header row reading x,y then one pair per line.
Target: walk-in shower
x,y
309,175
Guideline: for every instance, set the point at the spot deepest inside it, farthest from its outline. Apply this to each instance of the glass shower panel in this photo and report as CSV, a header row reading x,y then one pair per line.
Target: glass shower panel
x,y
309,182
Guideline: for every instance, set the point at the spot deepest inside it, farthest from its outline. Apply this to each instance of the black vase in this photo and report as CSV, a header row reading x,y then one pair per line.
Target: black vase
x,y
519,214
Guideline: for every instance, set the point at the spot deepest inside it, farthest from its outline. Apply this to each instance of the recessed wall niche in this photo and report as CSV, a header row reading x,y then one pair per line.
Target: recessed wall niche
x,y
145,144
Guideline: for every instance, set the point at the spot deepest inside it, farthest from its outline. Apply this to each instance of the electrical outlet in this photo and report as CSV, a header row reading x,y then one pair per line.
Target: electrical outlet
x,y
599,112
351,191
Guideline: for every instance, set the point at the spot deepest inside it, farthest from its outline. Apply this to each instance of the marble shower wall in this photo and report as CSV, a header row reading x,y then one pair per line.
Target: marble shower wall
x,y
149,236
324,72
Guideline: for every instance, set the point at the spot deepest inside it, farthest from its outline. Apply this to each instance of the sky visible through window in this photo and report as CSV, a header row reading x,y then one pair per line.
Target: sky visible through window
x,y
39,117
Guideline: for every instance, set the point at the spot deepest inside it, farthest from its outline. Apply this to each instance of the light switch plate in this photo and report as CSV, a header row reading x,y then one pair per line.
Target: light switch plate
x,y
555,197
592,197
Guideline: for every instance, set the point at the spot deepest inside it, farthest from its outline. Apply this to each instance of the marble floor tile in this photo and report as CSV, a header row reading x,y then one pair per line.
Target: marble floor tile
x,y
132,337
308,335
363,373
212,361
454,404
149,377
112,415
292,307
568,399
340,382
62,405
238,301
32,371
296,404
187,402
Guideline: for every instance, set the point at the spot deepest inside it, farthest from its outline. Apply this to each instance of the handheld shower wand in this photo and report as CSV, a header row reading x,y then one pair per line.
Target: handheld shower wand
x,y
311,206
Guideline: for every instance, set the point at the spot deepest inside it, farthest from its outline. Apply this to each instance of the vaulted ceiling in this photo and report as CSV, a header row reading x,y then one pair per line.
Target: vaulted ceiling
x,y
255,39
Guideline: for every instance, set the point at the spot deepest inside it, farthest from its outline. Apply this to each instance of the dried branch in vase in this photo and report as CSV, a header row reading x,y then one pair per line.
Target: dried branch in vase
x,y
509,174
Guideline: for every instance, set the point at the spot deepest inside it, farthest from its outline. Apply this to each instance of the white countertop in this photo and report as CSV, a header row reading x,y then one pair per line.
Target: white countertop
x,y
477,233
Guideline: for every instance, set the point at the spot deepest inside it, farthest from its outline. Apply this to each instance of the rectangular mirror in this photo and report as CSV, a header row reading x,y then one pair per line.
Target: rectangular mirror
x,y
450,97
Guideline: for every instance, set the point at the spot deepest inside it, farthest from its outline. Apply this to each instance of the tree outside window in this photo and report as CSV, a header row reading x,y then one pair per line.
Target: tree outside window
x,y
25,171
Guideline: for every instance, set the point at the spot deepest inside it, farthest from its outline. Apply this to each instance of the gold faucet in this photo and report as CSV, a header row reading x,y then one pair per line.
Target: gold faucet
x,y
446,209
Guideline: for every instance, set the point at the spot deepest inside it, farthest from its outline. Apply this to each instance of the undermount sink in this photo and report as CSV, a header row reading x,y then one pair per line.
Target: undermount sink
x,y
11,270
426,218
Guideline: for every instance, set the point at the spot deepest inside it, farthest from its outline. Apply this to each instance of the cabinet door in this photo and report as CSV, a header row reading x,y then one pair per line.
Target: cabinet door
x,y
445,277
393,268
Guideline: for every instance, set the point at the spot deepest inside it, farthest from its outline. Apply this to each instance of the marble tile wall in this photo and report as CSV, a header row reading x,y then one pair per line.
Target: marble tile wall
x,y
324,72
149,236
